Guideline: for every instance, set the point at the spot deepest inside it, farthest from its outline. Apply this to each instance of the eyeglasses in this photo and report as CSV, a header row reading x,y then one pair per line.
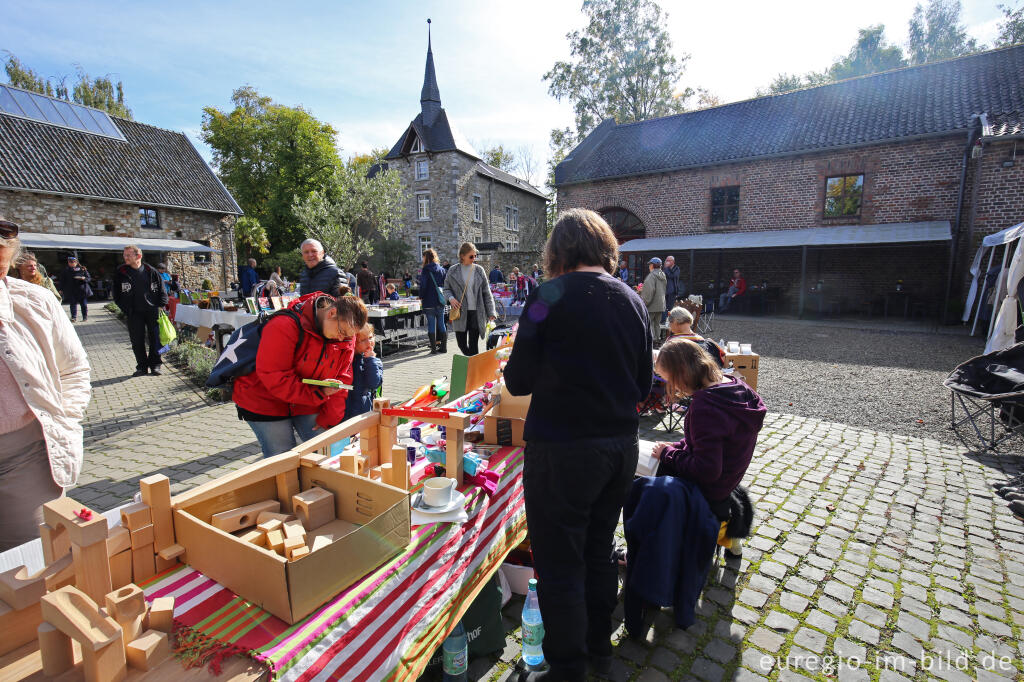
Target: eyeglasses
x,y
472,256
8,230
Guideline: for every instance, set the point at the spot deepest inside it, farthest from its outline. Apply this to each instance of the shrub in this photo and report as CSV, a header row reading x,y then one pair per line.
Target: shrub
x,y
113,307
197,361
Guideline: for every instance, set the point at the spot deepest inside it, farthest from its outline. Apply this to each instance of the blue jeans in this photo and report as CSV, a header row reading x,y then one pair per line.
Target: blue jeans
x,y
75,302
279,435
435,321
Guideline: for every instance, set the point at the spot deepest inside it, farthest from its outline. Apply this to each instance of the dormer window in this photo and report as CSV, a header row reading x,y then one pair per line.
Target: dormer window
x,y
417,146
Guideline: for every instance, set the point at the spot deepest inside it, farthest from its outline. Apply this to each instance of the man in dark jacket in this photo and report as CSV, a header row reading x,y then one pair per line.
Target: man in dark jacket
x,y
367,283
74,285
496,277
672,290
248,278
321,273
139,293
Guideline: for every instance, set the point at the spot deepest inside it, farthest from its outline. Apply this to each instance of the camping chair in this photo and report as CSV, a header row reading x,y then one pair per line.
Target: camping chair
x,y
670,413
987,398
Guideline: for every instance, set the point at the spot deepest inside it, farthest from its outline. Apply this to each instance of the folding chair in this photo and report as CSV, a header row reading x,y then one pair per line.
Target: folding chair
x,y
987,398
670,413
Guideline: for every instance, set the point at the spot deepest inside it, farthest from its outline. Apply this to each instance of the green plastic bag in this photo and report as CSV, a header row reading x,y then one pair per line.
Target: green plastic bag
x,y
167,331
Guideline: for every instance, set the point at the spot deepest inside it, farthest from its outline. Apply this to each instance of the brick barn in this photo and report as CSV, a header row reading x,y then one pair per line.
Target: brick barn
x,y
828,199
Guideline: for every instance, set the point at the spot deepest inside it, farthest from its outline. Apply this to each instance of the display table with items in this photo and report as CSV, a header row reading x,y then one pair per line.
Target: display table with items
x,y
350,557
195,316
398,323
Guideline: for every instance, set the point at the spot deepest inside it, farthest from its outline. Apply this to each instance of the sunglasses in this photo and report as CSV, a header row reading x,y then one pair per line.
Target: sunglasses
x,y
8,230
472,256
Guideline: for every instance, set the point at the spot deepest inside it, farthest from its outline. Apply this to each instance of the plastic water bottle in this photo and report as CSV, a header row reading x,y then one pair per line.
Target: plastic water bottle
x,y
456,655
533,628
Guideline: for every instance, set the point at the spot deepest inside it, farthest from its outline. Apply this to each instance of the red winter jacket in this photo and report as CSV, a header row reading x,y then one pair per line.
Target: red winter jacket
x,y
275,388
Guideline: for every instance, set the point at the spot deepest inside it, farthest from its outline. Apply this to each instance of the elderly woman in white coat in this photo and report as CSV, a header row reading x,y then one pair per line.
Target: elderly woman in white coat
x,y
473,300
44,381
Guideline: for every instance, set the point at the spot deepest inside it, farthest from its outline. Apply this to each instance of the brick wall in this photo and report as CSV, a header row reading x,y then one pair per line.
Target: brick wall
x,y
75,216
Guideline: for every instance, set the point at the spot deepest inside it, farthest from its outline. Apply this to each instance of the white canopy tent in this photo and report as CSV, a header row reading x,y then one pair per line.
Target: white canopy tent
x,y
79,242
1003,322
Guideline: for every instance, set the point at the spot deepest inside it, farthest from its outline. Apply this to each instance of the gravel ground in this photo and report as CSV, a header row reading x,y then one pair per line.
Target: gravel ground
x,y
887,380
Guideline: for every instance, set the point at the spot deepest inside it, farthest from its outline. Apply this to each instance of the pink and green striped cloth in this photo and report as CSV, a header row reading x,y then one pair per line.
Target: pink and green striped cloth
x,y
385,626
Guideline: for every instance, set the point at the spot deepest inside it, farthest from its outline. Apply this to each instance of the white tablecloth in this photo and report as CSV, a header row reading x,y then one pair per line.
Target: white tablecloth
x,y
203,317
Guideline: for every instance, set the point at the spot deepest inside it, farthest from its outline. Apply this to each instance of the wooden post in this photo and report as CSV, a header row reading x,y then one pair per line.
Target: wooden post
x,y
399,467
55,650
156,492
803,281
92,570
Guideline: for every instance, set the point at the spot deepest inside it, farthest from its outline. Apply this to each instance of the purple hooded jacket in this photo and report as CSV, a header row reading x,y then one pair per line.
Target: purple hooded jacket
x,y
719,434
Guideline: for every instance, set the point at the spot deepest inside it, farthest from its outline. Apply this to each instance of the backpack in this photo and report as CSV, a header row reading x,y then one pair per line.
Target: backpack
x,y
239,356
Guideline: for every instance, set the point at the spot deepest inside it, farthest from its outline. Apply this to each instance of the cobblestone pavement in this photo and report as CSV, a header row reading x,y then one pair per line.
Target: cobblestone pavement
x,y
887,551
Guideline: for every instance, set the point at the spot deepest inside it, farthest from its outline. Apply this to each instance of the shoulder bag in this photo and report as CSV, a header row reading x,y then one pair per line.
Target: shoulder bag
x,y
456,313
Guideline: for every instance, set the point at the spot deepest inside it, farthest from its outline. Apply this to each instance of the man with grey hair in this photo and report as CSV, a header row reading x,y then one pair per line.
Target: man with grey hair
x,y
140,294
321,273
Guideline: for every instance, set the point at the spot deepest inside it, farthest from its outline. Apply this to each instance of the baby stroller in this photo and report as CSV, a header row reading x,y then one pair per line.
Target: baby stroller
x,y
987,398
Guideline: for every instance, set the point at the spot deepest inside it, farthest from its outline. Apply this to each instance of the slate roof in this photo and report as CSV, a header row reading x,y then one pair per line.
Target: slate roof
x,y
931,99
490,171
1006,124
153,166
441,136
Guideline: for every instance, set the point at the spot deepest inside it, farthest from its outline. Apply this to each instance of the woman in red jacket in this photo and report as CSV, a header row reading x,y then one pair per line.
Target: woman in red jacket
x,y
318,345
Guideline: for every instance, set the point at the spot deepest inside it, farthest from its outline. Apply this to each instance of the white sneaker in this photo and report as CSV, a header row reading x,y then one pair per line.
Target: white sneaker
x,y
737,548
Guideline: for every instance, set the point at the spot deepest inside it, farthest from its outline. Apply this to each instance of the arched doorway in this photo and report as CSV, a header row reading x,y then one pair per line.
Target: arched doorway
x,y
627,227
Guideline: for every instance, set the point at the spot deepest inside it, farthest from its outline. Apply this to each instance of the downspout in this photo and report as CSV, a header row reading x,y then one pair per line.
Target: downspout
x,y
950,271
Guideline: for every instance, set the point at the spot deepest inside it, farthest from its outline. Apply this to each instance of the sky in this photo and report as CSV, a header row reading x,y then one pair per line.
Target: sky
x,y
359,65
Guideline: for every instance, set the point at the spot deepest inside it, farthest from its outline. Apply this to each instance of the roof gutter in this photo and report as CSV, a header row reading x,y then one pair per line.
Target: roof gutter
x,y
136,202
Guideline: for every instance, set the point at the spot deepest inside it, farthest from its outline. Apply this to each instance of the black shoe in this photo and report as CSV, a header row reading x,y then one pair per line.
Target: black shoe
x,y
155,371
139,373
84,318
1016,480
600,666
74,319
1007,490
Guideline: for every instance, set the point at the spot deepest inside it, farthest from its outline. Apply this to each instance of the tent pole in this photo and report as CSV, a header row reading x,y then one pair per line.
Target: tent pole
x,y
998,300
803,281
981,294
690,288
718,280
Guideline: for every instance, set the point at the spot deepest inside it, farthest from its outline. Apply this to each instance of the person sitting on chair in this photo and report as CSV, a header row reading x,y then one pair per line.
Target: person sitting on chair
x,y
737,287
720,428
680,321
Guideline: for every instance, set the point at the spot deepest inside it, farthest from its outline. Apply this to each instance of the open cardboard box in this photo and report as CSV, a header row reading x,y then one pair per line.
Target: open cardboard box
x,y
372,525
746,366
503,425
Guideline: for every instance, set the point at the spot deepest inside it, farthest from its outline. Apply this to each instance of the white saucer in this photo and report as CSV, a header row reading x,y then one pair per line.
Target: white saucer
x,y
457,501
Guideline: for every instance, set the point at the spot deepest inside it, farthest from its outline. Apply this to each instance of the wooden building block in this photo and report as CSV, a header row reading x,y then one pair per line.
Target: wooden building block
x,y
298,553
269,525
156,492
121,569
287,486
136,515
64,512
386,439
119,539
385,473
272,516
105,665
143,536
349,463
143,563
124,603
148,650
375,474
162,564
293,543
18,627
55,650
319,542
399,467
59,573
454,449
314,507
171,552
254,536
313,459
56,542
72,612
243,517
161,614
92,570
275,540
19,589
294,529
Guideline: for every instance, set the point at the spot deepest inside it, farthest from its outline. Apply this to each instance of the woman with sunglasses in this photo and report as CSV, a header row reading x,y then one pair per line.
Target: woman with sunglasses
x,y
467,290
315,339
44,381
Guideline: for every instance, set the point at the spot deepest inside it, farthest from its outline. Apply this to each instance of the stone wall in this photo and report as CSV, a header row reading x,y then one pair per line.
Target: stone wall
x,y
54,214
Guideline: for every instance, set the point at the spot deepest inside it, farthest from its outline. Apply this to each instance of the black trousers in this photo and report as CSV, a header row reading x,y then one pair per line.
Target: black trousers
x,y
574,493
142,326
469,340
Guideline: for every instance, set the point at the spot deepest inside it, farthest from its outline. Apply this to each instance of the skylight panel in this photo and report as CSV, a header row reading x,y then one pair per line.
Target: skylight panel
x,y
57,112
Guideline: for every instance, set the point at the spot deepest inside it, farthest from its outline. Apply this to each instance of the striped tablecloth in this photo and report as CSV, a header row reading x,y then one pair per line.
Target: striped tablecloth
x,y
387,625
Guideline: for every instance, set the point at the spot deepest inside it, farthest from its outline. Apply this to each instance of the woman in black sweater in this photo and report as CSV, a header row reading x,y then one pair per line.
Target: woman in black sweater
x,y
581,433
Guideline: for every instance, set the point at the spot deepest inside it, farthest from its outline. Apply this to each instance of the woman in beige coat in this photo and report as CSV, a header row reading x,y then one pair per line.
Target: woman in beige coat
x,y
44,381
476,303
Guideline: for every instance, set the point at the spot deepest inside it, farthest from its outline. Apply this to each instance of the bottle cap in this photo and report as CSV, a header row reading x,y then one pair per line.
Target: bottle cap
x,y
533,584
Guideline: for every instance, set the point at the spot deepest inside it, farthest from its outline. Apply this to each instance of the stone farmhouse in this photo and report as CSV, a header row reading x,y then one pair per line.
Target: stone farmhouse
x,y
868,195
79,180
455,197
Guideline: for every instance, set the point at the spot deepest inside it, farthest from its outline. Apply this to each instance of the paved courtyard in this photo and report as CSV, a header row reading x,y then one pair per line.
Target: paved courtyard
x,y
877,556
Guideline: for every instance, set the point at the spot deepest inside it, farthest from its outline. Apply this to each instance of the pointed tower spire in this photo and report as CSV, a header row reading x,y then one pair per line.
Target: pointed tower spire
x,y
430,96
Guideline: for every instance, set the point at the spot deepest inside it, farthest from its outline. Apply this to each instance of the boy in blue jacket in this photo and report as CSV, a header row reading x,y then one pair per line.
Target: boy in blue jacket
x,y
367,374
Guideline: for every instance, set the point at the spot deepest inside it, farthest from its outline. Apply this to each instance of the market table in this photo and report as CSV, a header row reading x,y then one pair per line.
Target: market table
x,y
384,627
396,324
204,317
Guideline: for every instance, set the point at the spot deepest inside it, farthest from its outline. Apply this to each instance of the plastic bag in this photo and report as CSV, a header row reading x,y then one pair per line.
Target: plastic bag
x,y
166,327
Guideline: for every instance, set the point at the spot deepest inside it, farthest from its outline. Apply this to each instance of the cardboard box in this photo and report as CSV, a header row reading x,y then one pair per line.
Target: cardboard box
x,y
372,525
746,366
504,424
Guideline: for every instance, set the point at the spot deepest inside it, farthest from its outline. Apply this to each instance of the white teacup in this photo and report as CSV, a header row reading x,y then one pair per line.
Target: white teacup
x,y
437,492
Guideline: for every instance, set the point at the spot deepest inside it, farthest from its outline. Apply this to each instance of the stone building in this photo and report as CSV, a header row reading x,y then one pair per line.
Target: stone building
x,y
79,180
853,189
454,196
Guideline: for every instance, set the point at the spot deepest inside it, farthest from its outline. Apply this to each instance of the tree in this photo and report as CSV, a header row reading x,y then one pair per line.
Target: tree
x,y
528,165
622,67
268,155
707,99
785,82
870,54
395,254
500,158
98,93
360,208
250,237
1011,29
936,33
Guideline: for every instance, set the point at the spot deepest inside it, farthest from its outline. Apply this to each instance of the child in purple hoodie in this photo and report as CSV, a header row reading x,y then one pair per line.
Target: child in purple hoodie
x,y
720,428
